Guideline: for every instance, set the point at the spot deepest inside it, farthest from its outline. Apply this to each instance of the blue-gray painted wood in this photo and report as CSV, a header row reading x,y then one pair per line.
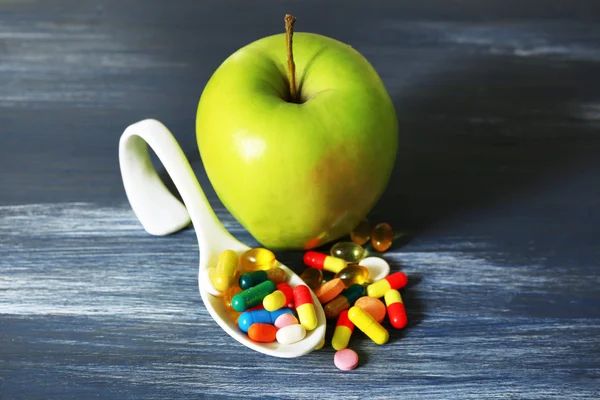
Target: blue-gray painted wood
x,y
496,186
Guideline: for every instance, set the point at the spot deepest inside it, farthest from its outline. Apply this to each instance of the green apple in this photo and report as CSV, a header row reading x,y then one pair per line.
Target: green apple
x,y
297,174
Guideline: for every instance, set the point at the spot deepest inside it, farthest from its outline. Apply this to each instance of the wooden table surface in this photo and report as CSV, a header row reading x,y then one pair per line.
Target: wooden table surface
x,y
496,186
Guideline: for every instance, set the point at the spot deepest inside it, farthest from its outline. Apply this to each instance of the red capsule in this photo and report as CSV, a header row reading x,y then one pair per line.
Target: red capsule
x,y
395,309
395,281
305,307
343,331
323,261
287,291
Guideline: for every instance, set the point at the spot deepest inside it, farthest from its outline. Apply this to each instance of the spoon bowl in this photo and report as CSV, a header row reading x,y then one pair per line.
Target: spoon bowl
x,y
161,213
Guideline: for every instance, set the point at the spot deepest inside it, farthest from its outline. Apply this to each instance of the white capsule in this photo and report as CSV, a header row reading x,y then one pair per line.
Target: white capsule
x,y
291,334
378,268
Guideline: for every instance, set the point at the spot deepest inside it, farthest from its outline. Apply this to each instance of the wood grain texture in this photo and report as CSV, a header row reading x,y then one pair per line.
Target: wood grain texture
x,y
496,186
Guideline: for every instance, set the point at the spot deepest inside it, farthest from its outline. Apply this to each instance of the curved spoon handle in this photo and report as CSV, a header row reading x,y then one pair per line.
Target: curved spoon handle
x,y
159,212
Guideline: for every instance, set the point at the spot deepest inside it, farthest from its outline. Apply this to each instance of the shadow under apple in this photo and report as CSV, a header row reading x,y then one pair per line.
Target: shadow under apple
x,y
473,139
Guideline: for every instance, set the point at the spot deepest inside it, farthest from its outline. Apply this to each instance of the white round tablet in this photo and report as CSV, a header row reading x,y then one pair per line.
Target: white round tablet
x,y
377,266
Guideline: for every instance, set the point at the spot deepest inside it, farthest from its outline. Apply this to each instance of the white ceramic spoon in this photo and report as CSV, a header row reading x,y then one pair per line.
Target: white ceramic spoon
x,y
160,213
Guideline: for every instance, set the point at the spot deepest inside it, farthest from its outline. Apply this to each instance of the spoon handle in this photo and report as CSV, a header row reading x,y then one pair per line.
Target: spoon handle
x,y
159,212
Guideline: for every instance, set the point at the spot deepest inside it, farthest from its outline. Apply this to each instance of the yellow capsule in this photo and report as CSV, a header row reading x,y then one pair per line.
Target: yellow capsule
x,y
257,259
275,301
307,316
353,274
343,331
362,233
350,252
367,324
223,276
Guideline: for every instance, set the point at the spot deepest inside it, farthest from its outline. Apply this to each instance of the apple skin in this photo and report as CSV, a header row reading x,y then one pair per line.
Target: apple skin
x,y
297,175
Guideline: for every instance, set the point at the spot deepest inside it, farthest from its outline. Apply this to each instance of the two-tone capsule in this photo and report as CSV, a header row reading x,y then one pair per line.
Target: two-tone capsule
x,y
305,307
249,279
395,309
283,296
252,297
395,281
318,260
343,331
344,301
367,324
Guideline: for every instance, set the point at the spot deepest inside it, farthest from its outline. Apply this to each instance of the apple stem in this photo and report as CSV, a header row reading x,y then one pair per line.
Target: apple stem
x,y
289,32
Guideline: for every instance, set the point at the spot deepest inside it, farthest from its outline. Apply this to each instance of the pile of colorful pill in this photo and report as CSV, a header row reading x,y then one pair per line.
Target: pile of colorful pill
x,y
268,309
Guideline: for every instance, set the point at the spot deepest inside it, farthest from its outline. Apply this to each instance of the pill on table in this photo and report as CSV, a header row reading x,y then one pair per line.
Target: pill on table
x,y
344,301
253,296
350,252
257,259
329,290
313,278
373,306
395,309
352,274
323,261
284,320
291,334
396,281
222,276
305,307
367,324
381,237
249,279
378,268
263,333
343,331
345,359
362,233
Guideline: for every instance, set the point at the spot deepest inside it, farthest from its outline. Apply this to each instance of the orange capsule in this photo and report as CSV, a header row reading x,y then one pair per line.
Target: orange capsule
x,y
263,333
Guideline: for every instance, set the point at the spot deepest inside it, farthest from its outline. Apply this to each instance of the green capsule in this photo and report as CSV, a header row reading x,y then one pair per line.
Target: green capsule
x,y
253,296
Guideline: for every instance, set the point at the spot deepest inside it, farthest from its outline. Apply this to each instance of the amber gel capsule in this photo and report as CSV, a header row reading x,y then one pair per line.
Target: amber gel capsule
x,y
313,278
353,274
253,278
350,252
257,259
344,301
362,233
382,236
